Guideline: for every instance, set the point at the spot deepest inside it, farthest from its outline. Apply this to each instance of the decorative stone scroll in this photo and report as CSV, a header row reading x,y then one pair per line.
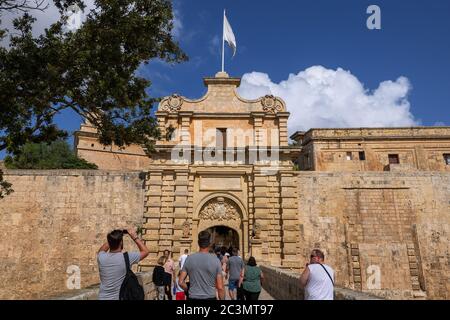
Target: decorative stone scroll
x,y
271,104
220,209
171,104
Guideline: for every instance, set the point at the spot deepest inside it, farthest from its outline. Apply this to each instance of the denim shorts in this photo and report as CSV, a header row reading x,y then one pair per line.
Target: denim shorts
x,y
233,284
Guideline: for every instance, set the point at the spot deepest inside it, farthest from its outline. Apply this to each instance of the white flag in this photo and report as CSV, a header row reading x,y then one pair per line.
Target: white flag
x,y
228,34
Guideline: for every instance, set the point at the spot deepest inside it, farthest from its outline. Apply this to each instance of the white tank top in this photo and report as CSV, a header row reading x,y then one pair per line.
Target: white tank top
x,y
319,285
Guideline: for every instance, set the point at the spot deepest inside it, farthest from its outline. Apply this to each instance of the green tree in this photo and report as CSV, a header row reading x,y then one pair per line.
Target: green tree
x,y
5,187
91,71
56,155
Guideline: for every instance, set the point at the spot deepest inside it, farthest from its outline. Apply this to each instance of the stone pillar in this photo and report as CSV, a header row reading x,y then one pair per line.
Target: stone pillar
x,y
267,214
289,219
185,126
167,212
258,118
255,243
282,127
152,209
181,222
162,121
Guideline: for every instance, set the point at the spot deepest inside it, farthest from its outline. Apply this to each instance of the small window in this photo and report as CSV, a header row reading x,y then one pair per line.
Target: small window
x,y
307,160
393,159
221,138
349,156
447,159
362,156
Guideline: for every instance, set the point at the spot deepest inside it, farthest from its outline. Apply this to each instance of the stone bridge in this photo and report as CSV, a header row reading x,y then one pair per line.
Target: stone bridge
x,y
279,284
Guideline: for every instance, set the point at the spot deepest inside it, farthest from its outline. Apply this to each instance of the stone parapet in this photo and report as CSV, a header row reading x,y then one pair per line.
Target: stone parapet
x,y
91,293
285,285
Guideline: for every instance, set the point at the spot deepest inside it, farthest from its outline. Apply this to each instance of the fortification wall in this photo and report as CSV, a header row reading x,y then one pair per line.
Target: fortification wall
x,y
56,219
393,224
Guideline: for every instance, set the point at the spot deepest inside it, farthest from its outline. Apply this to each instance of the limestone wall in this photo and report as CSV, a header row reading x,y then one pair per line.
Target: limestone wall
x,y
368,149
56,219
343,155
394,223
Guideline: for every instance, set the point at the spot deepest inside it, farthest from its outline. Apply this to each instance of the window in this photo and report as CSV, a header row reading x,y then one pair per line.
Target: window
x,y
221,138
393,159
447,159
349,156
362,156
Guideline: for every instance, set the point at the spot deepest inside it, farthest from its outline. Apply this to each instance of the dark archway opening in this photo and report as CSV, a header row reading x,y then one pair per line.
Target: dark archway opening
x,y
222,236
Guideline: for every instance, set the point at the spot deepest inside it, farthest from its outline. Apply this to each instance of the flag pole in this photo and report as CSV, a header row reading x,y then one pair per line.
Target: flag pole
x,y
223,42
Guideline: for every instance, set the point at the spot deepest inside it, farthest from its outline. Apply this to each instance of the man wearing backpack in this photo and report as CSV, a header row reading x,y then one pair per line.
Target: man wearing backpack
x,y
111,262
318,278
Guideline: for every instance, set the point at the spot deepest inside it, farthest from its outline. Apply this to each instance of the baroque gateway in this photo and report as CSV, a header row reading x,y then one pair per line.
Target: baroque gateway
x,y
376,201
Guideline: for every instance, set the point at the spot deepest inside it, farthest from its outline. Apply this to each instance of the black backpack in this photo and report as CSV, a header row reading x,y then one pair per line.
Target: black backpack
x,y
130,288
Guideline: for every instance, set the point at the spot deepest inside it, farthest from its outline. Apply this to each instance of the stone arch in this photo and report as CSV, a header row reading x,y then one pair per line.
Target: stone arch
x,y
222,209
225,195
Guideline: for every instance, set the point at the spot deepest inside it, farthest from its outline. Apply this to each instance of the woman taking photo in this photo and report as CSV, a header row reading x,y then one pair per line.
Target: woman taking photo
x,y
251,280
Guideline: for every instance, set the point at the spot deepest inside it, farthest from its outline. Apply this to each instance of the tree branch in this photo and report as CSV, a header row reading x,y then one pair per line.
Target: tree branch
x,y
24,5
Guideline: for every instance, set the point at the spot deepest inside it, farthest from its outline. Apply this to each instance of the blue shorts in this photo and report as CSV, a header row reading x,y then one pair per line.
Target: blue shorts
x,y
233,284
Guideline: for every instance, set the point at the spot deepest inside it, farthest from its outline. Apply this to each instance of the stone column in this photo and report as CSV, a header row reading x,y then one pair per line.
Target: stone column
x,y
282,127
152,209
181,221
266,214
258,118
167,212
185,126
162,121
289,218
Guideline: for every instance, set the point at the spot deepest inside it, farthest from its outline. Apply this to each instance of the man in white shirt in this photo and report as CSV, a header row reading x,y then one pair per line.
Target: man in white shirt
x,y
318,278
183,258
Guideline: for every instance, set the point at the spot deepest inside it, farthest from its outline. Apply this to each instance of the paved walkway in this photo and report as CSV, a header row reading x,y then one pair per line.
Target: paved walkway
x,y
263,296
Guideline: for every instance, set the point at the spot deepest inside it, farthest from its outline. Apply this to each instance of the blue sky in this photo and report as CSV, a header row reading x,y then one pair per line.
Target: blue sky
x,y
283,37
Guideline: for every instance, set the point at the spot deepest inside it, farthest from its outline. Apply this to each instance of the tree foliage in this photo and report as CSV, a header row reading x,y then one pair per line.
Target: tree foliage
x,y
23,5
56,155
91,71
5,187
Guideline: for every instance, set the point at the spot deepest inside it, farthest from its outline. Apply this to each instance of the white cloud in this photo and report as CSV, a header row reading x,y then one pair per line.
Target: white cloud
x,y
43,18
324,98
214,46
177,23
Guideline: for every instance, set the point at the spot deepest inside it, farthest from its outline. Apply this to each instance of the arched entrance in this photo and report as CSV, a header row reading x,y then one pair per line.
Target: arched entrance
x,y
222,236
224,216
